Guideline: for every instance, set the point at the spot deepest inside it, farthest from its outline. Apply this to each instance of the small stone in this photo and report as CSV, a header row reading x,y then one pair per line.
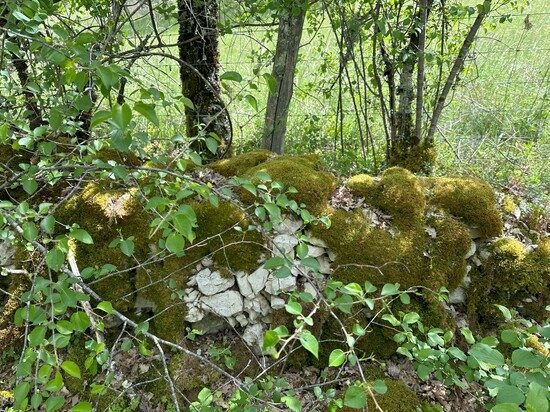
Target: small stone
x,y
324,265
317,242
207,262
457,296
284,244
253,335
309,288
225,304
198,268
277,303
257,279
192,281
331,255
210,283
244,285
191,296
288,226
194,314
315,251
210,323
472,250
275,286
241,318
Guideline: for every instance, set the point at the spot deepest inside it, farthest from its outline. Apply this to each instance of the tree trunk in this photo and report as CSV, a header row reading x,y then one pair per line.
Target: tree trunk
x,y
198,47
284,66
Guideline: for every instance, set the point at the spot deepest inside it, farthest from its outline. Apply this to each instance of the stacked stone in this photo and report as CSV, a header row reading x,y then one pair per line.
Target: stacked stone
x,y
219,297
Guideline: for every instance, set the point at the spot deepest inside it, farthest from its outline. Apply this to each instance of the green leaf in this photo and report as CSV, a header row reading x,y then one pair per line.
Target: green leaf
x,y
411,317
99,117
510,394
80,321
484,353
292,403
337,357
29,185
107,76
20,393
505,312
274,262
271,82
355,397
309,342
55,259
175,242
82,236
523,358
379,386
37,336
30,231
506,407
231,76
251,100
48,224
106,307
390,289
55,384
83,406
270,339
293,307
54,403
536,400
147,111
122,115
127,246
212,145
71,368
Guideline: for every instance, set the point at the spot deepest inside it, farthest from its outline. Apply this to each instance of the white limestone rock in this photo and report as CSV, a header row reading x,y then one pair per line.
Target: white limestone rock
x,y
472,250
257,279
226,304
194,314
277,303
457,296
274,285
331,255
317,242
207,262
315,251
288,226
324,265
284,244
253,335
244,286
210,283
309,288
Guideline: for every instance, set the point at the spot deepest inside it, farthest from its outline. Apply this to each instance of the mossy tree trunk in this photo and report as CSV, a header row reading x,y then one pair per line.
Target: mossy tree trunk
x,y
199,72
291,25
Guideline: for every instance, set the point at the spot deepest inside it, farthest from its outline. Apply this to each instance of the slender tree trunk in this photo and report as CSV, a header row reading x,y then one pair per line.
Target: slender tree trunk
x,y
424,4
198,46
457,66
284,66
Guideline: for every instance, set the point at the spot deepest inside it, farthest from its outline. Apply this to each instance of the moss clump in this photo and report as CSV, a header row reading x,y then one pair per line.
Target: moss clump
x,y
451,244
108,214
417,159
508,204
233,249
365,253
238,165
305,173
469,199
11,335
398,398
190,374
362,185
510,277
402,196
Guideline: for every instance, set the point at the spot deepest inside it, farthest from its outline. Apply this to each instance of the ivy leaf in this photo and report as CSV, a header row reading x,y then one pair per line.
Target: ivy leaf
x,y
71,368
355,397
309,342
336,358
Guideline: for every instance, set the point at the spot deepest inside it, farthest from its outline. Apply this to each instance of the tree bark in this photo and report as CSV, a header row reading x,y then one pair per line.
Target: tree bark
x,y
284,67
198,46
457,66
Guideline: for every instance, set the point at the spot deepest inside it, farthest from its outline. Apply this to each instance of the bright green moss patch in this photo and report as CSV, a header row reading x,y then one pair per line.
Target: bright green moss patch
x,y
362,185
417,159
398,398
238,165
225,230
510,277
108,214
451,244
469,199
305,173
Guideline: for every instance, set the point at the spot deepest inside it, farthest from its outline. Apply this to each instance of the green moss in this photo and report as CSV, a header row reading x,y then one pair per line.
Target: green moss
x,y
107,214
509,277
305,173
238,165
469,199
447,252
233,249
365,253
398,398
508,204
189,374
402,196
362,185
417,159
